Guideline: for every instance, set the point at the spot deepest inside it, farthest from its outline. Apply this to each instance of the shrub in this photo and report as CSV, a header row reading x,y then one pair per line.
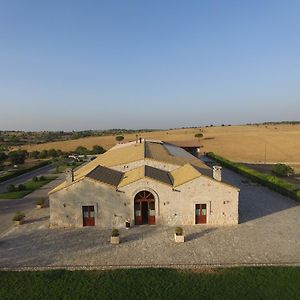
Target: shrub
x,y
19,216
178,231
21,187
11,188
115,232
42,178
283,170
35,179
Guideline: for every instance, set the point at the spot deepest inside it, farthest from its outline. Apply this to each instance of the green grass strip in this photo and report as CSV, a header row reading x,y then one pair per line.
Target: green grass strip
x,y
232,283
30,186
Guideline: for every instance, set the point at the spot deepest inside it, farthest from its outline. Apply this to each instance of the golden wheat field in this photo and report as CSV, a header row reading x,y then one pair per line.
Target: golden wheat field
x,y
246,143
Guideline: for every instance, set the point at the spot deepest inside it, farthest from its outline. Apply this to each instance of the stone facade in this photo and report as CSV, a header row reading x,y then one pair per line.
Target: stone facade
x,y
172,206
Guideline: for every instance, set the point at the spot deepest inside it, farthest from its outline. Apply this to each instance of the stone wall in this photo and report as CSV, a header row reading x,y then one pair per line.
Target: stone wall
x,y
172,206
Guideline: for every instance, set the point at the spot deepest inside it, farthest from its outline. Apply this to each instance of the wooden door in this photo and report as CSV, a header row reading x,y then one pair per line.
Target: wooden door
x,y
144,208
88,214
151,212
200,214
138,213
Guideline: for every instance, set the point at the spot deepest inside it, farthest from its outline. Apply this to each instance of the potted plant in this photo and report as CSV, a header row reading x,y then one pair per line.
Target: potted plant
x,y
40,203
179,237
115,236
19,218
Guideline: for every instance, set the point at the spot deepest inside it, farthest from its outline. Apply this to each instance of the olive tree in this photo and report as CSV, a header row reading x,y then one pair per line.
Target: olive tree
x,y
119,138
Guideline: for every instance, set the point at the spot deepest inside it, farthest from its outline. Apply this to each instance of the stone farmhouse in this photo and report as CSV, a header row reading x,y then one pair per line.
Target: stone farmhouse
x,y
144,182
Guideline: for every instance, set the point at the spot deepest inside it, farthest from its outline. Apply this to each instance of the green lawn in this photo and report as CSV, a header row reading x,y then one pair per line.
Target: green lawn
x,y
30,186
234,283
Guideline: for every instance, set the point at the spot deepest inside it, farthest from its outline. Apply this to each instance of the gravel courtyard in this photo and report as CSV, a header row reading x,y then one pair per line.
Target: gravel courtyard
x,y
269,232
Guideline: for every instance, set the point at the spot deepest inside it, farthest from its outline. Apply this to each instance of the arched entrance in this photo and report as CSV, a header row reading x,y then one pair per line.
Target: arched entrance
x,y
144,208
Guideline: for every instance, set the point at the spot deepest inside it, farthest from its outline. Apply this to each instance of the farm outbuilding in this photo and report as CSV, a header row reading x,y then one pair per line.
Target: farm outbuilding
x,y
144,182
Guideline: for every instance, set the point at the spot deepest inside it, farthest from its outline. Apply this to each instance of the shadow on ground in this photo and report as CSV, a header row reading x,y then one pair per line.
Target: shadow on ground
x,y
197,235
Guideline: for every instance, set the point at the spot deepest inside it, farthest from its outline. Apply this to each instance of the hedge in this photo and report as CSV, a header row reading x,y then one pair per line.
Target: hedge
x,y
274,183
20,172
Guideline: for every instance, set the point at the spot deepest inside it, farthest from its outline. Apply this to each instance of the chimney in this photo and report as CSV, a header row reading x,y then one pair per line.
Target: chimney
x,y
217,173
69,175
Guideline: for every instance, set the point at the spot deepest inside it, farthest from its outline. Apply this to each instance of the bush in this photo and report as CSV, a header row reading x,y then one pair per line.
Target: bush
x,y
35,179
274,183
42,178
21,187
178,231
19,216
283,170
115,232
11,188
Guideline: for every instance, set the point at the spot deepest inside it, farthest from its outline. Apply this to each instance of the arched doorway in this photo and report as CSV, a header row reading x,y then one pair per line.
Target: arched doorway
x,y
144,208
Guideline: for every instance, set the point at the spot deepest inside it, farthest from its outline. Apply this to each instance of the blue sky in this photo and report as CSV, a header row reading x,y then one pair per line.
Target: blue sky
x,y
76,65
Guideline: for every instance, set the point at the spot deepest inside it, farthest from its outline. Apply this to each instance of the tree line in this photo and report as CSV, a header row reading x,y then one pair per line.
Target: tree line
x,y
19,156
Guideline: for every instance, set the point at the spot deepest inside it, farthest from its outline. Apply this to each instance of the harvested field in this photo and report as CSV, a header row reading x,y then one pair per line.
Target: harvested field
x,y
247,143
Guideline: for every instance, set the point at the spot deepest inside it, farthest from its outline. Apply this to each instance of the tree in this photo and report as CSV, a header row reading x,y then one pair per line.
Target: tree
x,y
34,154
119,138
80,150
3,156
198,136
43,154
283,170
17,157
97,149
52,153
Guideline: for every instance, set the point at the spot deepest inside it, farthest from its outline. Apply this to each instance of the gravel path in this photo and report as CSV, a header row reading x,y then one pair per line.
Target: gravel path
x,y
268,233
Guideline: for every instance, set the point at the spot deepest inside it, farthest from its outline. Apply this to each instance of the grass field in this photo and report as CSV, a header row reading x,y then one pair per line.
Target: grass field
x,y
247,143
235,283
30,186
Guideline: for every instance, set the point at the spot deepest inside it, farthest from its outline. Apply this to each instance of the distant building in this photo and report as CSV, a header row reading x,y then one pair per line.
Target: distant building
x,y
145,182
